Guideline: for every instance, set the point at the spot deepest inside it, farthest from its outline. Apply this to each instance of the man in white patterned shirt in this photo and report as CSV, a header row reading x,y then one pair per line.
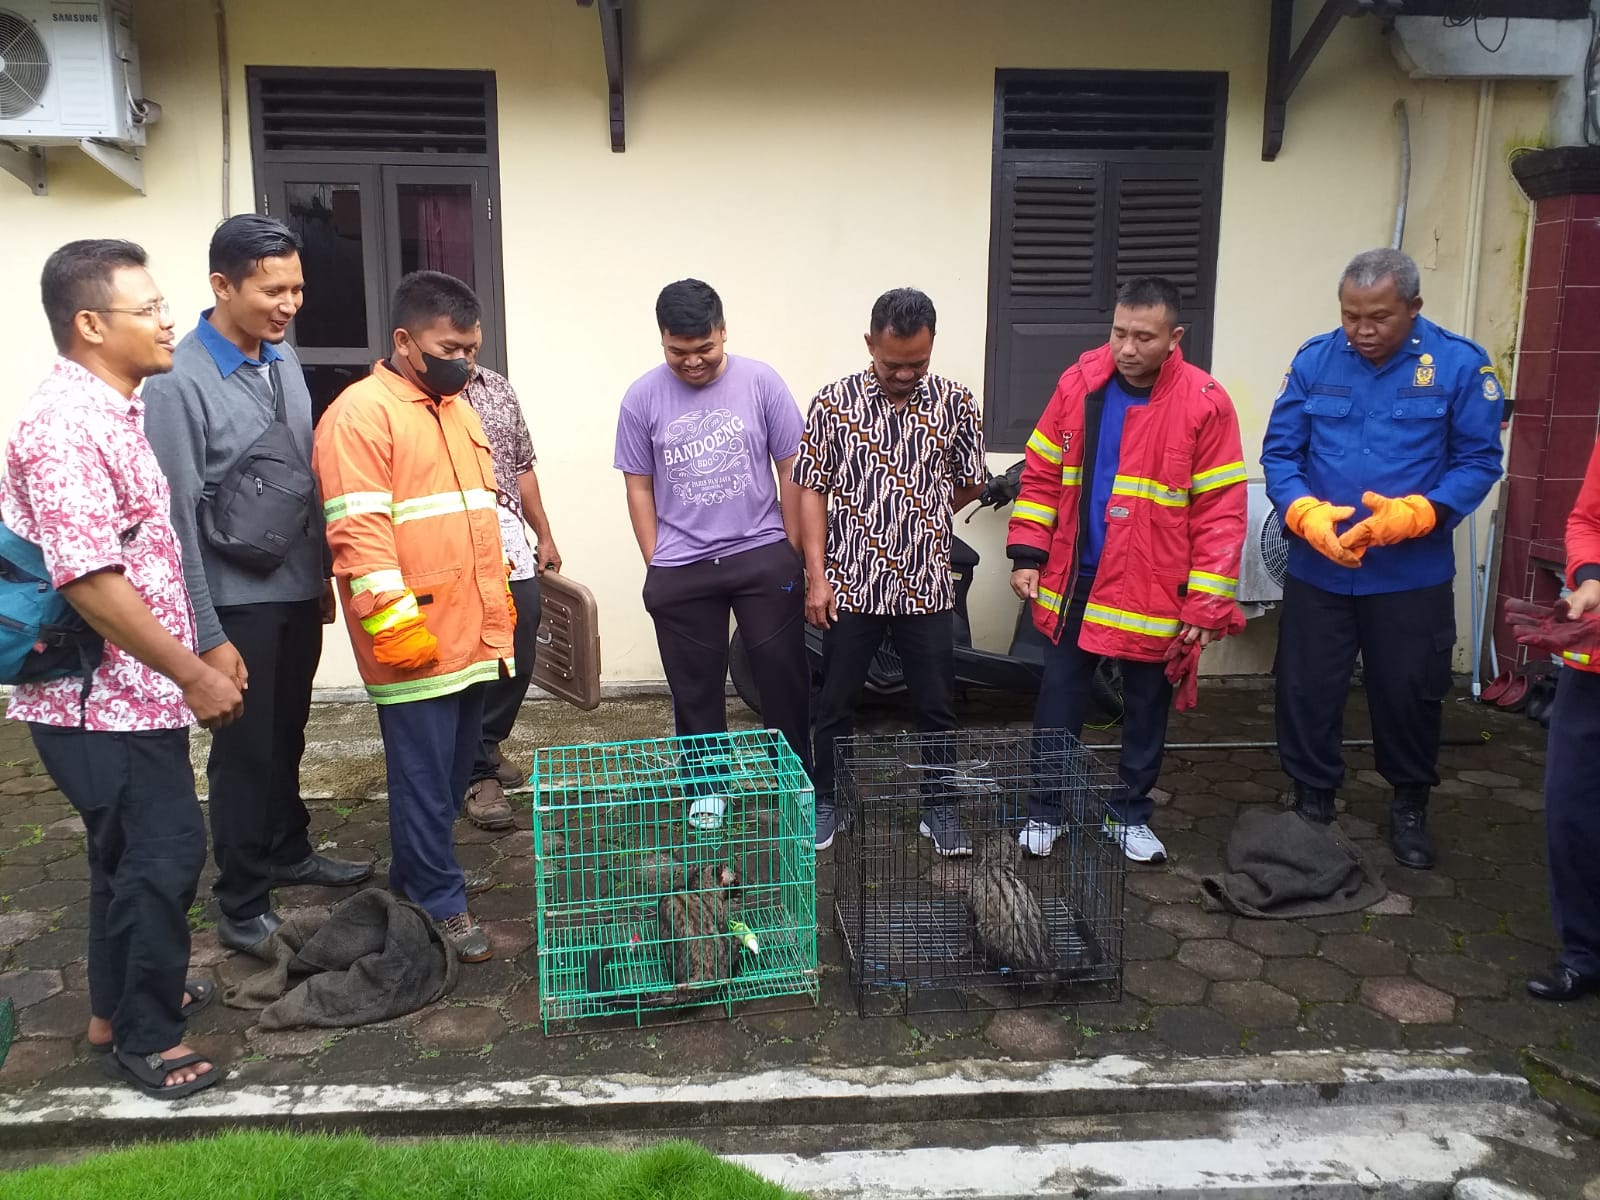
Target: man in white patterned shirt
x,y
81,481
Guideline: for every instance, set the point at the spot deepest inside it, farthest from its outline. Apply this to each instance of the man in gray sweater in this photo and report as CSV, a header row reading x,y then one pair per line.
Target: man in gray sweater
x,y
264,631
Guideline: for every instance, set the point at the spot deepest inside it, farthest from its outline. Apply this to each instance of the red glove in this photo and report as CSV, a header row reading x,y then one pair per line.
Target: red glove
x,y
1552,628
1183,672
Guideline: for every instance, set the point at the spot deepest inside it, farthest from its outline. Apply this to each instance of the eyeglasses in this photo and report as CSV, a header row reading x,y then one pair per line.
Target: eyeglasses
x,y
159,309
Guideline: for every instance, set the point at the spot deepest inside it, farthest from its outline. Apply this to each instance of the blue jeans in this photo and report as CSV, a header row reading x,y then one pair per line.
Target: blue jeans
x,y
1572,819
1064,697
428,750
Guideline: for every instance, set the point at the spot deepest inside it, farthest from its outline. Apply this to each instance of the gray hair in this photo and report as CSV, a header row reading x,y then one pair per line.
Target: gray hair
x,y
1372,267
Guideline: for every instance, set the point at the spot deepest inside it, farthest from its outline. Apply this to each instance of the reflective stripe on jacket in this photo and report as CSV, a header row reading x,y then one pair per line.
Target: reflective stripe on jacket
x,y
410,503
1176,522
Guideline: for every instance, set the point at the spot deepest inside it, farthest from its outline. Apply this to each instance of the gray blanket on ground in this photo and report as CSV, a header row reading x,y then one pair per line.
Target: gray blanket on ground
x,y
372,958
1281,865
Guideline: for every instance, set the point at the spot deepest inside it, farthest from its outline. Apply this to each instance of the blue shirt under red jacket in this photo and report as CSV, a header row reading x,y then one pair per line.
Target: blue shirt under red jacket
x,y
1427,422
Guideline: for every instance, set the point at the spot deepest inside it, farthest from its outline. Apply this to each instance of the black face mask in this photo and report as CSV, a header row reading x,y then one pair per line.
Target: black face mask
x,y
444,376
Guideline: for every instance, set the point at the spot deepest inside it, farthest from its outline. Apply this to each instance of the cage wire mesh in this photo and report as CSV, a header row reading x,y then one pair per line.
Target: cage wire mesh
x,y
909,920
672,874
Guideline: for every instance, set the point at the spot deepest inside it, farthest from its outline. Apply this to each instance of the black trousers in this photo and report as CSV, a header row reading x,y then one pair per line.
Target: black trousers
x,y
1064,697
1572,819
926,645
428,749
147,845
503,698
765,591
258,820
1405,640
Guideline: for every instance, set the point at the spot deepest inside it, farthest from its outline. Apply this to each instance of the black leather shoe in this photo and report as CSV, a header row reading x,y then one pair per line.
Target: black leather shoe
x,y
321,871
1559,982
1315,804
1408,834
249,936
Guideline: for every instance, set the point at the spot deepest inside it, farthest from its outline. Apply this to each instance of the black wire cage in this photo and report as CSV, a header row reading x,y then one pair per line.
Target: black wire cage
x,y
1003,925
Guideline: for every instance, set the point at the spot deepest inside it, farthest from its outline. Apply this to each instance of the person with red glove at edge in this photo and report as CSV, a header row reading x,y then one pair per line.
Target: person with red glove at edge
x,y
1126,536
1571,784
410,501
1384,436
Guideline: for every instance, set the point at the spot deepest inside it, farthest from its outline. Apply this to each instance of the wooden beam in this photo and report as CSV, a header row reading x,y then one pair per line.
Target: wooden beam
x,y
611,44
1286,70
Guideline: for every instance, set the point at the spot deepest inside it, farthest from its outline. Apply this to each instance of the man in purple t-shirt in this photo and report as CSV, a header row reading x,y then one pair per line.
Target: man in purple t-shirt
x,y
697,441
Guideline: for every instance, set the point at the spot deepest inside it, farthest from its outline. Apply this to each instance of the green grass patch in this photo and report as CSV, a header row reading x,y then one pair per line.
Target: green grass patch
x,y
280,1166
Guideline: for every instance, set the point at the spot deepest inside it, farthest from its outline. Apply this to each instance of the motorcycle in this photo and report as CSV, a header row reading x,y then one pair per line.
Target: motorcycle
x,y
1019,670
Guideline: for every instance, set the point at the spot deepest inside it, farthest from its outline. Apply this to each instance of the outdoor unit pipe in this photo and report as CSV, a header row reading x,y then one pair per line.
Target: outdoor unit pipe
x,y
1405,174
1481,739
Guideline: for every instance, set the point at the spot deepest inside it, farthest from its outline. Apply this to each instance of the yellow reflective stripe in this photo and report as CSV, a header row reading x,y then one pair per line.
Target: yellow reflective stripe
x,y
1071,476
1149,489
1116,618
377,581
1048,600
1041,514
439,685
1213,585
1218,477
1574,656
391,615
356,504
443,504
1044,447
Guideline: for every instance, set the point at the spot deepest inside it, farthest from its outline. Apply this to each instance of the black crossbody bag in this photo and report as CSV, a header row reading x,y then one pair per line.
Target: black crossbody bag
x,y
263,505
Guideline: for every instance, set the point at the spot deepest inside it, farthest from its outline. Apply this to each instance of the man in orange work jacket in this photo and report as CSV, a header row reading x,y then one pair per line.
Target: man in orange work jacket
x,y
409,496
1126,537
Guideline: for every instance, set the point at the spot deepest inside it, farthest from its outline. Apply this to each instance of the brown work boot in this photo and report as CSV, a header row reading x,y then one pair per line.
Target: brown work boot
x,y
466,938
508,775
487,807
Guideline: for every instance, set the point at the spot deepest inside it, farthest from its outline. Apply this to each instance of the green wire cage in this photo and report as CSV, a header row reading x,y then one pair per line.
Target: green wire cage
x,y
672,874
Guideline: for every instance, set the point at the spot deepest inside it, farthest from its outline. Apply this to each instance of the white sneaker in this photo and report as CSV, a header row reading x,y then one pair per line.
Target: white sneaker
x,y
707,812
1139,842
1038,838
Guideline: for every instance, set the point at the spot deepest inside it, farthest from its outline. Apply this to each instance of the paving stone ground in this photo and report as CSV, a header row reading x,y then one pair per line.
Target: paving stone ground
x,y
1439,963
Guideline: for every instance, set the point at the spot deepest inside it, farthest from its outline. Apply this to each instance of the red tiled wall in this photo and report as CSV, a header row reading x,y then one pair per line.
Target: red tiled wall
x,y
1557,391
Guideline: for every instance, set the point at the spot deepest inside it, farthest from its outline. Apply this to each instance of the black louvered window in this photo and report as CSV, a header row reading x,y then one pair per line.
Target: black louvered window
x,y
382,112
1099,177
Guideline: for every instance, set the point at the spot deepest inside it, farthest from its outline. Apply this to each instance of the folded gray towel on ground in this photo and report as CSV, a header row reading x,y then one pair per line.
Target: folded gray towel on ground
x,y
372,958
1280,865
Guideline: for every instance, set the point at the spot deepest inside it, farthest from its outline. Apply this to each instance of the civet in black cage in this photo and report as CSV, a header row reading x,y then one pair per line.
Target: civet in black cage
x,y
999,923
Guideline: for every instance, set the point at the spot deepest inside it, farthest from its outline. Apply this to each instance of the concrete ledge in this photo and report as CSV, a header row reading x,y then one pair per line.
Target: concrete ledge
x,y
963,1090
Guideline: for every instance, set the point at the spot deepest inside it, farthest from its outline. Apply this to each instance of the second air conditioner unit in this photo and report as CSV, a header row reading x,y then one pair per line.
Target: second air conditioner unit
x,y
1266,552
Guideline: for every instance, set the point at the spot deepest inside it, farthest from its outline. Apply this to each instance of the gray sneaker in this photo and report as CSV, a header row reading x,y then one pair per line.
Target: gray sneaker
x,y
466,938
827,825
942,827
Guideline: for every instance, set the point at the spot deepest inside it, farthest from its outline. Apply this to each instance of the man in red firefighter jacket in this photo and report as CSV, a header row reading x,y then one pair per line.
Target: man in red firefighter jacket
x,y
1571,635
1126,538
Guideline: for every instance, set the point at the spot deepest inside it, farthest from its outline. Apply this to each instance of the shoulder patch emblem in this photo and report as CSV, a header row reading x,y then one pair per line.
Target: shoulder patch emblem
x,y
1491,385
1423,377
1283,386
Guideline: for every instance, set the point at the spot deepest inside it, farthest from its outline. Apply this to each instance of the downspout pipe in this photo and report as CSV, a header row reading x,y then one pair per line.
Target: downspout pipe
x,y
1405,174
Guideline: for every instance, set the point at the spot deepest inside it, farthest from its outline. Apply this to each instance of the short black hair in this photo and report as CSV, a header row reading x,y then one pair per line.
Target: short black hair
x,y
422,297
78,277
1152,291
688,308
903,312
241,242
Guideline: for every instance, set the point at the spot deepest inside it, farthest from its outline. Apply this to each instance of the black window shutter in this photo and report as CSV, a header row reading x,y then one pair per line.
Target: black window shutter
x,y
1099,177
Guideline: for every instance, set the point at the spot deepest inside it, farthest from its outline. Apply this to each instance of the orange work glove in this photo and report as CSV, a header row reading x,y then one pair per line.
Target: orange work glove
x,y
1314,520
400,636
1391,521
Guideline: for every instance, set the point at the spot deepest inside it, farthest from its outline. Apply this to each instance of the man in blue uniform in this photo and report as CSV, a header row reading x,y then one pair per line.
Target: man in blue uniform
x,y
1385,435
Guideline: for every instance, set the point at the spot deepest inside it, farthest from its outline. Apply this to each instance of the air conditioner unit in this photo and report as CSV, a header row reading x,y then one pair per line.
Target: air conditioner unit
x,y
1266,553
69,76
